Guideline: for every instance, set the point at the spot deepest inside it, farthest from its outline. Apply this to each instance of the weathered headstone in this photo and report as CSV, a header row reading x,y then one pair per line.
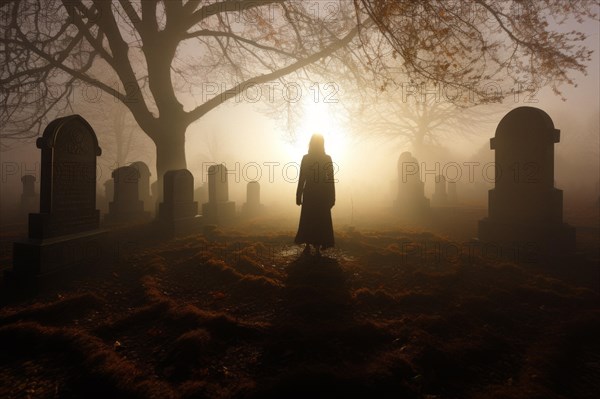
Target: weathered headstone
x,y
29,200
126,205
218,209
525,209
178,213
411,201
144,185
440,196
252,207
65,231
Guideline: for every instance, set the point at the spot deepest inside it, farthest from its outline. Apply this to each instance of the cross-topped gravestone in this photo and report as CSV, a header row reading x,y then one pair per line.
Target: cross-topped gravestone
x,y
524,205
144,185
440,196
411,201
126,205
252,207
178,213
218,209
68,217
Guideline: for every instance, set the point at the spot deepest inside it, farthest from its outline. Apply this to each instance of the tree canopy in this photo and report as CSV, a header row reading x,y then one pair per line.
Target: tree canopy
x,y
171,62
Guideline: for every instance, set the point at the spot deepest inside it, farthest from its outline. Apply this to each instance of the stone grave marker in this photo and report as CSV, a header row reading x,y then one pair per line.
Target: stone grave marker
x,y
178,213
525,209
411,201
29,199
65,231
144,185
201,194
126,205
440,196
252,207
218,209
452,194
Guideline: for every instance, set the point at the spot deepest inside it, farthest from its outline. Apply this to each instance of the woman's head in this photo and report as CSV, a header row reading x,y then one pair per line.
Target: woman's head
x,y
317,144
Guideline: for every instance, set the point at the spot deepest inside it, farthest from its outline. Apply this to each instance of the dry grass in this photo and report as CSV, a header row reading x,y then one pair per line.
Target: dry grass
x,y
225,316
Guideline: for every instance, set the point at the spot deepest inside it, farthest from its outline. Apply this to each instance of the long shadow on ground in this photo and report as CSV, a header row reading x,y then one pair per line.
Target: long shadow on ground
x,y
316,343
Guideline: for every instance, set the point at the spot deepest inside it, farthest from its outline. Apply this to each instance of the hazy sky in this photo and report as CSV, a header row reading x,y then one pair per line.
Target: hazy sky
x,y
254,145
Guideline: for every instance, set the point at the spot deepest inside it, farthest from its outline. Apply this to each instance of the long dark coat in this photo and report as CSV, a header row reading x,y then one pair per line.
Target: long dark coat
x,y
316,192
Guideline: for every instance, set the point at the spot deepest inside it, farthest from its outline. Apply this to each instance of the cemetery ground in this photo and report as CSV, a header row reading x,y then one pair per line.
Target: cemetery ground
x,y
239,312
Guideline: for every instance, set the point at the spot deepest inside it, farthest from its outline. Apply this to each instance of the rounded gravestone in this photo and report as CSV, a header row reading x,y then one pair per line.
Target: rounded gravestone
x,y
144,184
524,145
68,179
524,206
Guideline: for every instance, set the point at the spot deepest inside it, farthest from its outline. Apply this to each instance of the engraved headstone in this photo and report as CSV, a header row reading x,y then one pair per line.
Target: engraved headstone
x,y
68,217
411,201
144,185
218,209
252,207
440,196
525,209
178,213
126,205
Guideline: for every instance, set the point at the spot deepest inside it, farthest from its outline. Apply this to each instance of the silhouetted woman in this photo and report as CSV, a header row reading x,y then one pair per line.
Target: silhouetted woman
x,y
316,194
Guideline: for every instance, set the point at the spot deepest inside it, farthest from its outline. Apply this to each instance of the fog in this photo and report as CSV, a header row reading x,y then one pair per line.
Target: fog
x,y
254,145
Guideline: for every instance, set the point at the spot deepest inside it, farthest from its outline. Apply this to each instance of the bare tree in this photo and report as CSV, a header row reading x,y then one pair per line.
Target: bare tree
x,y
422,122
171,62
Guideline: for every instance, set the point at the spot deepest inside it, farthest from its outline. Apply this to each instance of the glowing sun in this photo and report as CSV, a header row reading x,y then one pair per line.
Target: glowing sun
x,y
319,118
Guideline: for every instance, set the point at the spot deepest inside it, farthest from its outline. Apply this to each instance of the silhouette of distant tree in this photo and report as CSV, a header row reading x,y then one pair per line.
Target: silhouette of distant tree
x,y
421,123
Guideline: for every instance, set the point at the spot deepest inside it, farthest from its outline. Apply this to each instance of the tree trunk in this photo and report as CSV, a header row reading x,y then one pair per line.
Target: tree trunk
x,y
170,154
418,144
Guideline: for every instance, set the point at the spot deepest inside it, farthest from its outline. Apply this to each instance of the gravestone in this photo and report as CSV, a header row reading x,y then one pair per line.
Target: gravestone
x,y
452,195
144,185
109,189
29,200
155,196
109,193
178,213
201,194
411,201
525,209
218,209
65,231
252,207
440,196
126,205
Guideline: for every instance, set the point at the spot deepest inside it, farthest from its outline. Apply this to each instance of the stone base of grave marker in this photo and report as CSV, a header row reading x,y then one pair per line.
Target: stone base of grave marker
x,y
178,227
47,225
217,213
179,218
439,199
252,210
546,240
35,257
415,209
133,212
